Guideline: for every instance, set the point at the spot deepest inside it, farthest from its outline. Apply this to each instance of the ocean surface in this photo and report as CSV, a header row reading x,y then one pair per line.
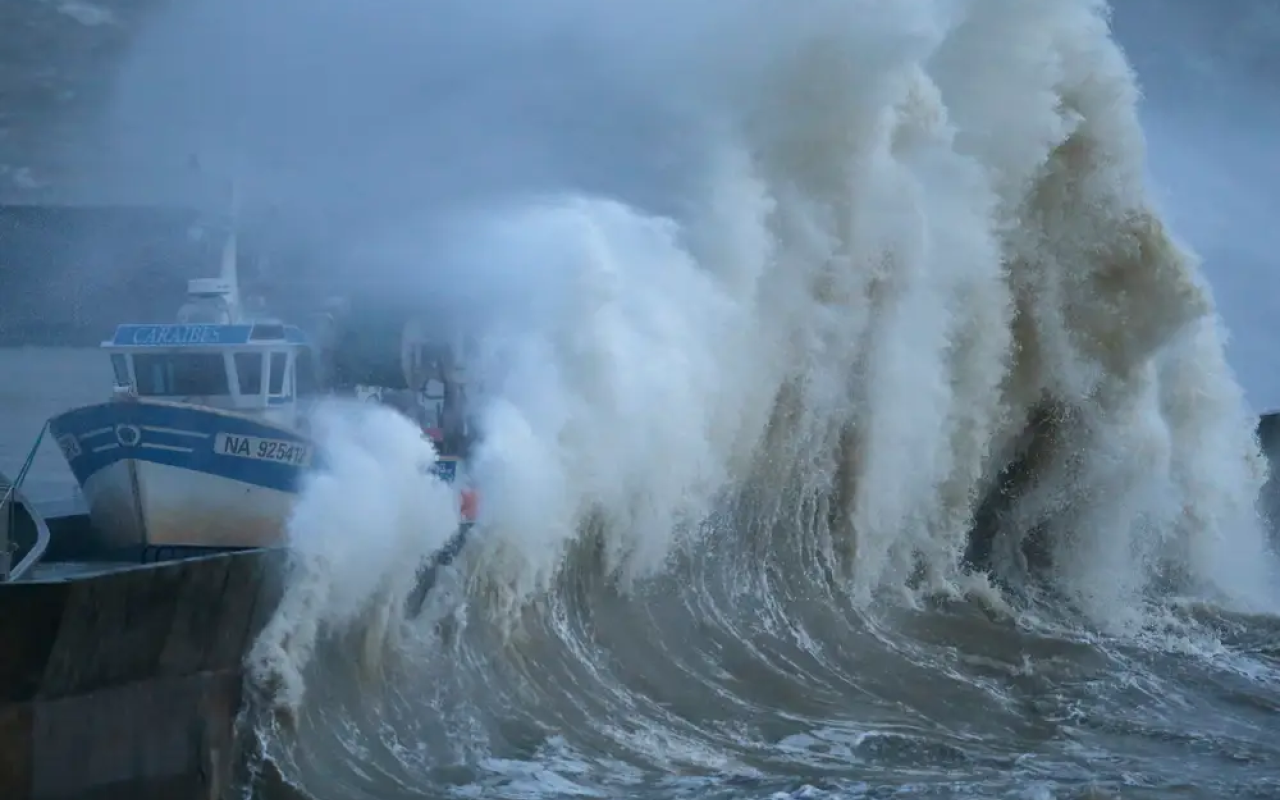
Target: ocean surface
x,y
766,683
42,382
774,313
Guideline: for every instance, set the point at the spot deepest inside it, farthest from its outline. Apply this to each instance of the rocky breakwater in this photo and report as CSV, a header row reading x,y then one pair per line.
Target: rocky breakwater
x,y
126,683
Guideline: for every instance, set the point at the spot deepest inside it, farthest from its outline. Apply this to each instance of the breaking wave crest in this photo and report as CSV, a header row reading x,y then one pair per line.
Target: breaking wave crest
x,y
777,437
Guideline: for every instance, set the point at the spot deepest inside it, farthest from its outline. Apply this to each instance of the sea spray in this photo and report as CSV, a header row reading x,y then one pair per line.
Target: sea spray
x,y
772,302
863,302
374,477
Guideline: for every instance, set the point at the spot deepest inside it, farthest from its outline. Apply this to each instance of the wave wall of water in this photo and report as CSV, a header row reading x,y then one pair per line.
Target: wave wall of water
x,y
851,417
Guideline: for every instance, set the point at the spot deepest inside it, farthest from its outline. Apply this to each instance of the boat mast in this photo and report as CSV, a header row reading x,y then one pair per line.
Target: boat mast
x,y
217,300
229,272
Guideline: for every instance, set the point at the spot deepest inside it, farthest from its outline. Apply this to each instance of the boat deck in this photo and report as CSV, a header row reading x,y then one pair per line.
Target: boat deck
x,y
64,570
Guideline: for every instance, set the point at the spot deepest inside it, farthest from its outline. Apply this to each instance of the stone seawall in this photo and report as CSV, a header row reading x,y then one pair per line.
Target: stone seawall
x,y
125,685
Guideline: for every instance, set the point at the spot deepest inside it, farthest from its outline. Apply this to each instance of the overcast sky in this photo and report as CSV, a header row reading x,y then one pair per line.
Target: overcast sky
x,y
1211,77
1210,71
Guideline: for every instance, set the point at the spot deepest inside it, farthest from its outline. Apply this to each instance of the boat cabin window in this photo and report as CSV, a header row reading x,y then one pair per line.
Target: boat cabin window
x,y
277,383
120,366
306,372
181,375
249,372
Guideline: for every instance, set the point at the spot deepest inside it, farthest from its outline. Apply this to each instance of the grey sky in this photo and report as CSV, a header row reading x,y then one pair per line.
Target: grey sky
x,y
1211,78
1209,69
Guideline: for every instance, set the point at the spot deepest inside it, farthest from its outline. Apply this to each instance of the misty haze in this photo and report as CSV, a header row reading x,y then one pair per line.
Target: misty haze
x,y
860,397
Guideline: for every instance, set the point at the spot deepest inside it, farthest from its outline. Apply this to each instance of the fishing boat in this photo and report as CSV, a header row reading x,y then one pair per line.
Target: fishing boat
x,y
203,444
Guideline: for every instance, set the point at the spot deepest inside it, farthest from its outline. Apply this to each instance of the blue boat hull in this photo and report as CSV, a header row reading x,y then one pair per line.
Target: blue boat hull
x,y
167,474
161,474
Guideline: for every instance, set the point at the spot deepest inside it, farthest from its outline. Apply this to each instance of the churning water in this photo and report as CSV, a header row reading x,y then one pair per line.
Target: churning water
x,y
779,303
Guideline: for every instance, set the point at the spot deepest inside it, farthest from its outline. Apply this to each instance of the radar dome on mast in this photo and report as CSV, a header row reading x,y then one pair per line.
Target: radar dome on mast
x,y
216,301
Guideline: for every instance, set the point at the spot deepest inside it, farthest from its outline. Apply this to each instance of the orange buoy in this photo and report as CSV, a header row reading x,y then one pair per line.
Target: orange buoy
x,y
468,505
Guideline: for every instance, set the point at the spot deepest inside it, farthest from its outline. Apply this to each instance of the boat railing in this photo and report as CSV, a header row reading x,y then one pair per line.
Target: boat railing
x,y
8,515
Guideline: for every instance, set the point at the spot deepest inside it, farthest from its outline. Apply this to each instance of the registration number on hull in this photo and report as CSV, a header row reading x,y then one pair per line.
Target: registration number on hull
x,y
277,450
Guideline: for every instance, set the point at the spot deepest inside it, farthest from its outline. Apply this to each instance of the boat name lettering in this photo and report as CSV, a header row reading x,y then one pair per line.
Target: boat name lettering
x,y
278,450
160,335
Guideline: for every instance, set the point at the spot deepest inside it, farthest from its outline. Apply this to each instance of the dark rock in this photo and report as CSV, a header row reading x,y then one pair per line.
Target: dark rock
x,y
1269,440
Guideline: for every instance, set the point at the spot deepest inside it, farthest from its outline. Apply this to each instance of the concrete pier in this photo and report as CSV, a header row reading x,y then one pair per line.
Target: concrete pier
x,y
125,684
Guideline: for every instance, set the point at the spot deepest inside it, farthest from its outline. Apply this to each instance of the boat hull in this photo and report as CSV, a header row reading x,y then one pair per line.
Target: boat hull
x,y
137,502
157,474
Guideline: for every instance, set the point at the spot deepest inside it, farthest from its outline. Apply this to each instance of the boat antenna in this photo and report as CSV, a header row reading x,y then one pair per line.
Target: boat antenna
x,y
229,272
